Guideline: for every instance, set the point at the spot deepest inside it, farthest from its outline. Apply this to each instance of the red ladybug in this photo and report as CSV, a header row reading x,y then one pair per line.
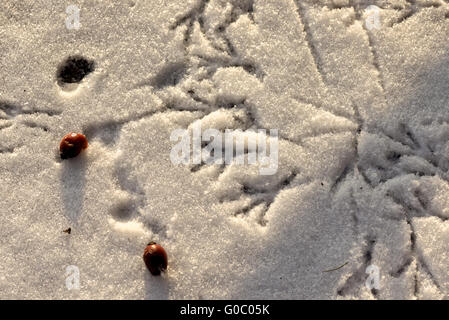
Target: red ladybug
x,y
72,144
155,258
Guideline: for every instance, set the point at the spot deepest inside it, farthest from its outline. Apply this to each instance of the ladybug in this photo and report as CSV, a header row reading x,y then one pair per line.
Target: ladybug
x,y
155,258
72,144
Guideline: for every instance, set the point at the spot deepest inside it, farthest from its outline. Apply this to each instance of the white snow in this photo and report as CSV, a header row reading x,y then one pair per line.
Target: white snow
x,y
363,166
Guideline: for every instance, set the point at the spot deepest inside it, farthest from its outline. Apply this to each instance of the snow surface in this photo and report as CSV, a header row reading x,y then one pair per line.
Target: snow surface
x,y
363,154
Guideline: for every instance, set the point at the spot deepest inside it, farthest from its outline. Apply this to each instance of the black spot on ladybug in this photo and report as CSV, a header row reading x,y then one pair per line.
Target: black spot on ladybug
x,y
74,69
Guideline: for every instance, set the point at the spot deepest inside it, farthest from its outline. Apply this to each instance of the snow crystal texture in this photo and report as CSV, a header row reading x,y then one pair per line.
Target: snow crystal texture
x,y
363,119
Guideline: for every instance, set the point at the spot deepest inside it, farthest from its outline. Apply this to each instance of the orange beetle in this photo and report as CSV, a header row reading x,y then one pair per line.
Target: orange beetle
x,y
155,258
72,144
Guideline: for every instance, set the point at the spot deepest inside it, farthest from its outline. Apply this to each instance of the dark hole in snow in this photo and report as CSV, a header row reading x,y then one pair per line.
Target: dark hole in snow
x,y
74,69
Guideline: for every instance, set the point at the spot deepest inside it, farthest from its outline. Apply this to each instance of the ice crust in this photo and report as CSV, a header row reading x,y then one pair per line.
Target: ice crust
x,y
363,151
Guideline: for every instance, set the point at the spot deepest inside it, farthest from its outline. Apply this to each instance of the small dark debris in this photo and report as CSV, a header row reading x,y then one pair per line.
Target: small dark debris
x,y
68,231
337,268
